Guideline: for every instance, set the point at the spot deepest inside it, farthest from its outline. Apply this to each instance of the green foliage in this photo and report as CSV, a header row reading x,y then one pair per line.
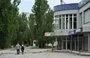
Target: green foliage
x,y
43,19
22,30
8,23
15,28
32,25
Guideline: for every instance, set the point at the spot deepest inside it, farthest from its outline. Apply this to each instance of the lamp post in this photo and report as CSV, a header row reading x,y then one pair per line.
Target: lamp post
x,y
62,2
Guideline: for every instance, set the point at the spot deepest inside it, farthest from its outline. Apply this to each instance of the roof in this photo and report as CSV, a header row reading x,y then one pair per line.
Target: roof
x,y
66,7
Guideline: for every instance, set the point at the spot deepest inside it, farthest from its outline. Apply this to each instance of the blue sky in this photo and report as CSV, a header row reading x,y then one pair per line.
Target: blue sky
x,y
26,5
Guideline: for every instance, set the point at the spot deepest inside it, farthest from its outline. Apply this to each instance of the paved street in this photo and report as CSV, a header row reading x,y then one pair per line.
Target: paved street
x,y
40,53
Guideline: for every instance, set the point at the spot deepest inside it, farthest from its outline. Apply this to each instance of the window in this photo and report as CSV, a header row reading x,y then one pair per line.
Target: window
x,y
66,15
63,21
75,15
75,23
60,23
70,15
70,21
60,16
66,23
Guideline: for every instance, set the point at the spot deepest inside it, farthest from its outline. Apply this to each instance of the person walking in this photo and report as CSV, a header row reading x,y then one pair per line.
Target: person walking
x,y
22,48
18,48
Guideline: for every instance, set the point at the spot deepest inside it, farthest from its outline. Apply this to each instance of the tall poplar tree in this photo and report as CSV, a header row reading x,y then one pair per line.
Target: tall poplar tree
x,y
43,16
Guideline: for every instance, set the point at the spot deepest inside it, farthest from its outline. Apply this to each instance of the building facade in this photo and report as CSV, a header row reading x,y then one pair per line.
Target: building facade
x,y
72,26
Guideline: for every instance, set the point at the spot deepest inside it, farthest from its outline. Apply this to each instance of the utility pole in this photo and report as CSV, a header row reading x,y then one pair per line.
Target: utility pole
x,y
61,1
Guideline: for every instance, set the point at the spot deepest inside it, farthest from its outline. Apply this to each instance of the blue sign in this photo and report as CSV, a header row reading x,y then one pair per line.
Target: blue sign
x,y
71,32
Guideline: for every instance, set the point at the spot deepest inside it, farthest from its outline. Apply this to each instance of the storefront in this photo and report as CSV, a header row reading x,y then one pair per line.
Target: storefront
x,y
72,23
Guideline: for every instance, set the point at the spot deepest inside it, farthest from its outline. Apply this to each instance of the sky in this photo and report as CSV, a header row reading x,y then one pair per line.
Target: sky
x,y
26,5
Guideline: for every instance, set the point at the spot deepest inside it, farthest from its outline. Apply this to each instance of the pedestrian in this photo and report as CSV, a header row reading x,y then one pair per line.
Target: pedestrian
x,y
18,48
22,48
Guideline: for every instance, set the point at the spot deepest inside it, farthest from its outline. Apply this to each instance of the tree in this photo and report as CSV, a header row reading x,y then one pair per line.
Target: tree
x,y
8,22
32,27
13,24
22,28
43,18
4,10
48,24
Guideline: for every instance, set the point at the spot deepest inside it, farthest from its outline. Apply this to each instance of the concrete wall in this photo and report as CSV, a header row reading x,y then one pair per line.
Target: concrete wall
x,y
85,10
79,20
87,16
86,27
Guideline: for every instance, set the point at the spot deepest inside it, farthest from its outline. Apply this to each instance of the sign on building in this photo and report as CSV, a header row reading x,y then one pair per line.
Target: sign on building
x,y
72,32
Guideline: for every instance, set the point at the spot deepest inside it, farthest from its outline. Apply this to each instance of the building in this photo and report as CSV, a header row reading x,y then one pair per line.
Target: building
x,y
72,26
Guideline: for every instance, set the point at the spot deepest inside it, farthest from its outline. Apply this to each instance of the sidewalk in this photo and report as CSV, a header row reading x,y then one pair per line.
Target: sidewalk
x,y
74,52
27,50
0,52
8,51
37,50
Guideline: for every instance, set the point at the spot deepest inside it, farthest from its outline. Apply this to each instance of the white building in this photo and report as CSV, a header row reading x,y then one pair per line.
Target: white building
x,y
72,26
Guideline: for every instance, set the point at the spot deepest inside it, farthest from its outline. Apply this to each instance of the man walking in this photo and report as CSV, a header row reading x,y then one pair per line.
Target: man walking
x,y
18,48
22,49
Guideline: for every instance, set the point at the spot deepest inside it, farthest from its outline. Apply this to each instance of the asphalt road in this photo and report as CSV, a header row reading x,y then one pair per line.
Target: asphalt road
x,y
39,53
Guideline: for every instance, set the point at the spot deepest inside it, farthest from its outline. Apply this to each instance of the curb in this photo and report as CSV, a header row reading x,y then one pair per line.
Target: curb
x,y
72,52
40,51
1,54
